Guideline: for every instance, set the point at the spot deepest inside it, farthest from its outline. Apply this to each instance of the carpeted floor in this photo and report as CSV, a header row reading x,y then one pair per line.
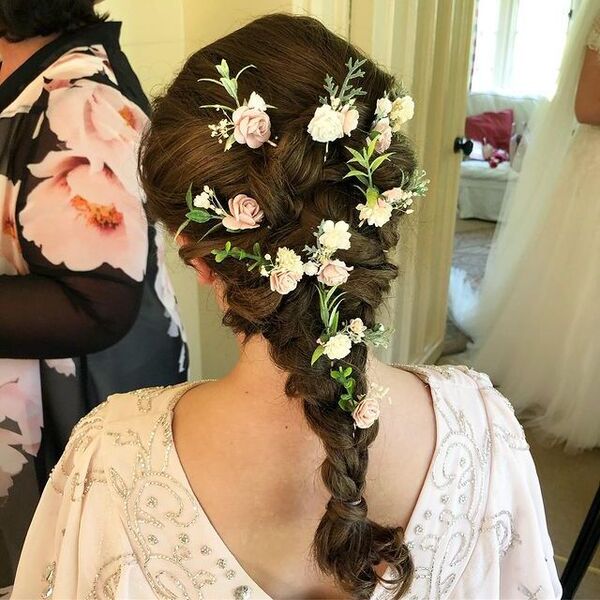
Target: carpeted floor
x,y
472,242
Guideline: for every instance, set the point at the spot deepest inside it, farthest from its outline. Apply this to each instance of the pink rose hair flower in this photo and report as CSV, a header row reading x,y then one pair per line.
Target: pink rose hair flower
x,y
251,126
248,123
245,213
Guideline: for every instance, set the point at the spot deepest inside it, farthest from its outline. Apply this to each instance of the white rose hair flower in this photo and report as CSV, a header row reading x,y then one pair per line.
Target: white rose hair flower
x,y
248,122
335,236
337,117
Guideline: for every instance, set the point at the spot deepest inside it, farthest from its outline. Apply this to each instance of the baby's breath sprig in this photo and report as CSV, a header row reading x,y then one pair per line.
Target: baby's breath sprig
x,y
201,209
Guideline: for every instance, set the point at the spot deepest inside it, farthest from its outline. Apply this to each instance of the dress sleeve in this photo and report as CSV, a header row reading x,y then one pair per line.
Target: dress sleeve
x,y
80,225
66,538
516,518
593,41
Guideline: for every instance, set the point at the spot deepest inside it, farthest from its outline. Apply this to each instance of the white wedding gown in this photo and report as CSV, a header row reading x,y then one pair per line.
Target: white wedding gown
x,y
537,330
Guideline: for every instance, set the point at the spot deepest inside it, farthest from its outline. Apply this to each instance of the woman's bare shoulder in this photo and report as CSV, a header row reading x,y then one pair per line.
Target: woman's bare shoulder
x,y
403,451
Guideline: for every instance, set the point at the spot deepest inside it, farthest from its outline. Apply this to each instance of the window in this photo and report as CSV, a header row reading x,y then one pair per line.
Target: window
x,y
519,46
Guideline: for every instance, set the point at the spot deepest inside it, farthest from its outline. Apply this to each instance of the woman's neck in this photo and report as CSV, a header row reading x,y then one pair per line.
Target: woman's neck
x,y
15,54
255,371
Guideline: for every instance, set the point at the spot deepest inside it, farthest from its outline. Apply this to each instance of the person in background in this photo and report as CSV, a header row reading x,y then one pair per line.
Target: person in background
x,y
536,323
211,490
86,305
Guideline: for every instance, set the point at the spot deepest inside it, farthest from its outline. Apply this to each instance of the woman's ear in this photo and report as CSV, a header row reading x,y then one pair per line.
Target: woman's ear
x,y
204,273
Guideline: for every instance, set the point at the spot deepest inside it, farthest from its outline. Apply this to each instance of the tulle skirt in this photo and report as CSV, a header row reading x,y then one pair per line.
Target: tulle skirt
x,y
543,347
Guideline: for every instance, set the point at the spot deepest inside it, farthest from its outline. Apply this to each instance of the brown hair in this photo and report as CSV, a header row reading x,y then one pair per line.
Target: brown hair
x,y
296,189
24,19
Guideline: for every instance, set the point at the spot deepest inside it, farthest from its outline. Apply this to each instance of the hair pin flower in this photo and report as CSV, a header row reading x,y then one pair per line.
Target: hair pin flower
x,y
337,117
378,206
284,272
248,123
389,118
244,211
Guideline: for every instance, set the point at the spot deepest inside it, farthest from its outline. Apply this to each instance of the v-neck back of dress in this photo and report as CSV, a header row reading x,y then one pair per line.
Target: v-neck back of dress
x,y
122,492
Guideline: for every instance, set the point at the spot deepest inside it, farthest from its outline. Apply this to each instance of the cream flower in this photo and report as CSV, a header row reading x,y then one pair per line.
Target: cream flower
x,y
251,126
288,261
334,272
326,125
377,215
335,236
256,101
245,213
384,106
202,200
366,413
311,268
338,346
357,328
403,110
385,135
349,118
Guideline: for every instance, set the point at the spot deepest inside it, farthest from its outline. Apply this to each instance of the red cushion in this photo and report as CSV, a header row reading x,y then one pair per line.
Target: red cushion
x,y
495,128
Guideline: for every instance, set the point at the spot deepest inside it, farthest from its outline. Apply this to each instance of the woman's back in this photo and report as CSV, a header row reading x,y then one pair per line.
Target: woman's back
x,y
255,471
165,508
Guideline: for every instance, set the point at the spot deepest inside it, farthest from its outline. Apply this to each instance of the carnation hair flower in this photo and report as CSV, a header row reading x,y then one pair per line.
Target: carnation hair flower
x,y
244,211
338,346
248,123
337,117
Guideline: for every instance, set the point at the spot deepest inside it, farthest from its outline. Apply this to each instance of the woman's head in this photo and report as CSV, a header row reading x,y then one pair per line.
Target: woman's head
x,y
24,19
297,183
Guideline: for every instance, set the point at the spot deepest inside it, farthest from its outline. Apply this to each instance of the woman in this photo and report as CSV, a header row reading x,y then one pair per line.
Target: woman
x,y
538,314
86,307
210,489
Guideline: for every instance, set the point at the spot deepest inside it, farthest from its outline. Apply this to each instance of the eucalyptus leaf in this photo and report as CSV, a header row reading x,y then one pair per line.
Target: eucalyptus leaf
x,y
198,215
181,228
230,141
223,68
319,350
379,161
189,200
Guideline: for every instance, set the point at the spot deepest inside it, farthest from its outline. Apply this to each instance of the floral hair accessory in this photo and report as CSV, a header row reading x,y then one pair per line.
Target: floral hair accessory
x,y
336,340
378,206
366,411
389,118
248,123
284,272
337,117
244,211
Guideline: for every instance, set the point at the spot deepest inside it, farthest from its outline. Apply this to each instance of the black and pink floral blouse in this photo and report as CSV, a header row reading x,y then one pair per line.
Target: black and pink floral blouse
x,y
86,305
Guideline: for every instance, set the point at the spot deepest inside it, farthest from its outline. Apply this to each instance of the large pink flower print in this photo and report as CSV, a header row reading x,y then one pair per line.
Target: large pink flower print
x,y
11,259
21,402
97,121
82,216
